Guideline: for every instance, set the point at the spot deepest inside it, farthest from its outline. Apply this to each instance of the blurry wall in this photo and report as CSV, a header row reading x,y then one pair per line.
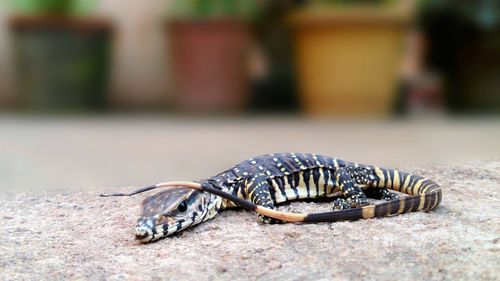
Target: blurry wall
x,y
140,76
451,58
140,72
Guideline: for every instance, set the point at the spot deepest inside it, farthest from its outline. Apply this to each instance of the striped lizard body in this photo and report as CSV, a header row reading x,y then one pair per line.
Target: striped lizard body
x,y
261,183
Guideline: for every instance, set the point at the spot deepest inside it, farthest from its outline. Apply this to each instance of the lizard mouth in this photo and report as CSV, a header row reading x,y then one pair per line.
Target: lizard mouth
x,y
147,231
143,233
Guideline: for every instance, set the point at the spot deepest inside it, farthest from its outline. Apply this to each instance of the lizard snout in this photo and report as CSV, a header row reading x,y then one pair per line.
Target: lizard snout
x,y
144,229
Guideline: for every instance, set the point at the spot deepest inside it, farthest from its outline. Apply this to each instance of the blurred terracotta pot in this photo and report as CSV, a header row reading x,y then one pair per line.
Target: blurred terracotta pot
x,y
210,65
62,62
348,58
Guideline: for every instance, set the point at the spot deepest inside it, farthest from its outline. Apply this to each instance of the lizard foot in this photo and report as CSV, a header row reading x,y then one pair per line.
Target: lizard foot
x,y
268,220
390,196
343,204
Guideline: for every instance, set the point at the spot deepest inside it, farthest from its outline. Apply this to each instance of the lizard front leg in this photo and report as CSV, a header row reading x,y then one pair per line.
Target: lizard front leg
x,y
258,190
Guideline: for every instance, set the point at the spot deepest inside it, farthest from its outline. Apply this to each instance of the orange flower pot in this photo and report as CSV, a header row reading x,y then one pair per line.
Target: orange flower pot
x,y
348,59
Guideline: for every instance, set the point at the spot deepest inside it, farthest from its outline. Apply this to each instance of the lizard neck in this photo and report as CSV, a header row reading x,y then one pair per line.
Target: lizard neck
x,y
213,205
228,182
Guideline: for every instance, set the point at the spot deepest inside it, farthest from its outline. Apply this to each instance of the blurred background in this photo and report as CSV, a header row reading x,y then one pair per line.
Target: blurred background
x,y
119,92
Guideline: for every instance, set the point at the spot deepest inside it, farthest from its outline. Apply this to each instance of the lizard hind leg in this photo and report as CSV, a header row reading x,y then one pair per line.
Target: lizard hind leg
x,y
354,196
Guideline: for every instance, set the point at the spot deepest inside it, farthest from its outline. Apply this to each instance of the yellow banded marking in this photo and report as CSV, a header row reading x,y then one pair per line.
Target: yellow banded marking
x,y
381,176
321,182
422,202
425,189
396,180
251,192
368,211
313,184
434,203
302,191
301,185
330,183
277,191
416,187
239,193
402,204
389,181
405,184
436,194
337,176
290,193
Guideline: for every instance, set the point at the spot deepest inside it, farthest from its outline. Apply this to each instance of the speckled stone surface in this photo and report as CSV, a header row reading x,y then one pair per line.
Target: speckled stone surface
x,y
78,235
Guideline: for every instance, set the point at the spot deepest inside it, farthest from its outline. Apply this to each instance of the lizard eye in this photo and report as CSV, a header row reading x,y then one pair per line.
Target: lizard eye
x,y
182,207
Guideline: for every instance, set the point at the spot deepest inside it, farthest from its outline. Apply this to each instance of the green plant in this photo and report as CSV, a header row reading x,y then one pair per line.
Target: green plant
x,y
353,2
52,6
214,9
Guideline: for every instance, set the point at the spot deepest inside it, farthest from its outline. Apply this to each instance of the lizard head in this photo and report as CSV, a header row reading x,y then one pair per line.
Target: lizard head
x,y
172,211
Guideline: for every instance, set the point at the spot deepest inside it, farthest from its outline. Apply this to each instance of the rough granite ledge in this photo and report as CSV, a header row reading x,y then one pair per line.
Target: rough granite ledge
x,y
78,235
